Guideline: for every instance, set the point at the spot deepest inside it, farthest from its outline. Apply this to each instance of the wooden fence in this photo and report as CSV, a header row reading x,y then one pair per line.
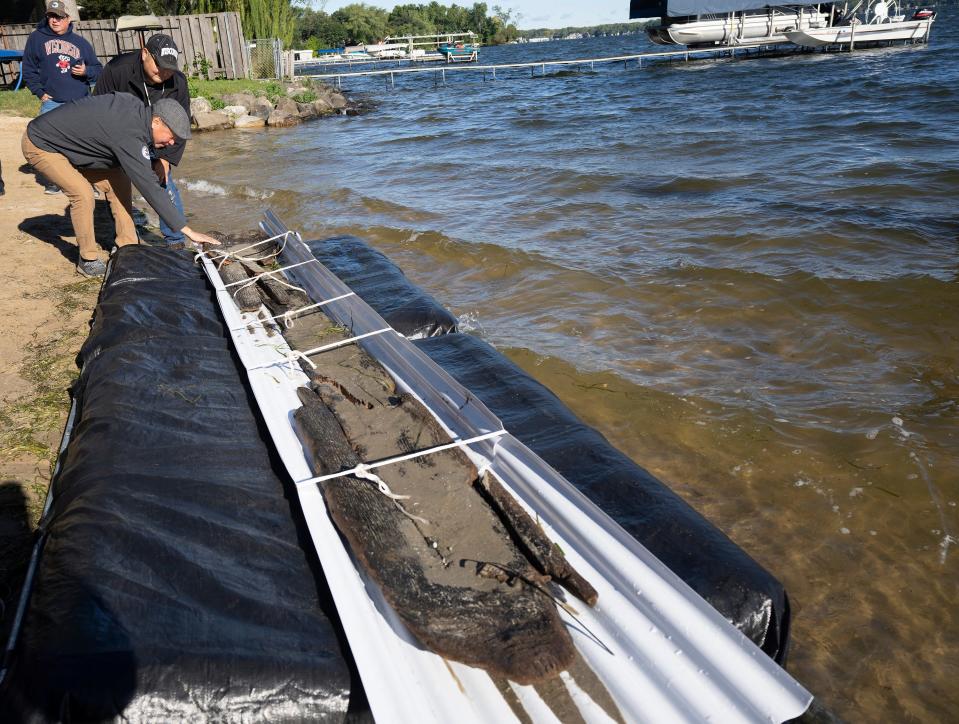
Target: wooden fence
x,y
212,44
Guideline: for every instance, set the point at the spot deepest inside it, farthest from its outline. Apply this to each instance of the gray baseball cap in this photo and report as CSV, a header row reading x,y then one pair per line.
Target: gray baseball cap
x,y
172,114
58,8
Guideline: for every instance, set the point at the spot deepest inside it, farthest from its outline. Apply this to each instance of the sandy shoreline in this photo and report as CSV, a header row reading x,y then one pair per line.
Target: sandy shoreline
x,y
47,308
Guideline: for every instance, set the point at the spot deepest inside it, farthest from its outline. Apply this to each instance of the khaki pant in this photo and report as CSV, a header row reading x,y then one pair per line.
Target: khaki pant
x,y
76,184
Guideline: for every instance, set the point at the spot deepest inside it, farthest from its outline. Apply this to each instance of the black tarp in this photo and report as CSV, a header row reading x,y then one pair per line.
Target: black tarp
x,y
172,585
699,553
383,285
685,8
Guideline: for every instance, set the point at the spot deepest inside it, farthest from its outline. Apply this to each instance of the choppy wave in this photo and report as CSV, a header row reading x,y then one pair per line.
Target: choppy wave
x,y
211,188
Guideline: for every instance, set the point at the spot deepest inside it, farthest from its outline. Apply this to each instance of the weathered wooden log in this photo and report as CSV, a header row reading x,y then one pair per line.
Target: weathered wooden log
x,y
539,549
508,630
276,296
441,556
321,435
246,297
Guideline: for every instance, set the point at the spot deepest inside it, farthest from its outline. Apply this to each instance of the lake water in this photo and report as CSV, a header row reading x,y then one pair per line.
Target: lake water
x,y
745,273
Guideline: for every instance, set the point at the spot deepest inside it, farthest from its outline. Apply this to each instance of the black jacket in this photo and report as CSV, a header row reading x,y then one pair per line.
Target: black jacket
x,y
103,132
124,74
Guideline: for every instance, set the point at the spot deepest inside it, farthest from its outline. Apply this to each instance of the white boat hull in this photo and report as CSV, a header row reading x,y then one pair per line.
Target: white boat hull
x,y
765,28
862,33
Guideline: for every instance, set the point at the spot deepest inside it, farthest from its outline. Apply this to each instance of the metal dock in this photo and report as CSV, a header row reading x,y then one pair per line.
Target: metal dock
x,y
491,70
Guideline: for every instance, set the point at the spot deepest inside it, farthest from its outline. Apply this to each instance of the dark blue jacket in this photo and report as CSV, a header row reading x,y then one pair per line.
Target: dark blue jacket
x,y
47,59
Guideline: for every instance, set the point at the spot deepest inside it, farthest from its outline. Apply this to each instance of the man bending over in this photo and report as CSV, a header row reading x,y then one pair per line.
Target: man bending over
x,y
106,141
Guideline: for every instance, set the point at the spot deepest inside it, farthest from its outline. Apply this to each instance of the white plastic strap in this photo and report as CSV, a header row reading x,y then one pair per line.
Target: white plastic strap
x,y
361,469
297,354
269,273
289,360
228,254
287,316
344,342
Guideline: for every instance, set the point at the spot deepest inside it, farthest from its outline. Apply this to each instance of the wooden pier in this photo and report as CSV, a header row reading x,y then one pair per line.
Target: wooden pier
x,y
491,70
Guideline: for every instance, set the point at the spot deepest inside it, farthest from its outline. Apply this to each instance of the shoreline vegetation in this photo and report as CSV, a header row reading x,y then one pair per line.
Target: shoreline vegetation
x,y
301,27
224,104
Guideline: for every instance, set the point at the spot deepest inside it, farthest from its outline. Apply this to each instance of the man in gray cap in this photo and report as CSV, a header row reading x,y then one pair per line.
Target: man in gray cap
x,y
107,141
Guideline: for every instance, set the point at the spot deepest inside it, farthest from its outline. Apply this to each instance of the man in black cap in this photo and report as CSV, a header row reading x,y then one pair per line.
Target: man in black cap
x,y
106,141
152,74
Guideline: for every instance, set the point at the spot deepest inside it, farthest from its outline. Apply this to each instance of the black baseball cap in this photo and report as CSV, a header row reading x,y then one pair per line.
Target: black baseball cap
x,y
164,52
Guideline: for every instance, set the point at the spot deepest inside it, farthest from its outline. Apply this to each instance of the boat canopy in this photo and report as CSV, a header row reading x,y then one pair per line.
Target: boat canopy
x,y
683,8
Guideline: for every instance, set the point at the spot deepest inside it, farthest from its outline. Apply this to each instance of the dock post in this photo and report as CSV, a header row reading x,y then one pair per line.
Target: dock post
x,y
392,81
640,62
443,70
543,69
494,73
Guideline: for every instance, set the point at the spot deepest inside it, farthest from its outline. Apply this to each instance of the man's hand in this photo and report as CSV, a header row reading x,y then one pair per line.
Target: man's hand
x,y
198,238
79,70
46,97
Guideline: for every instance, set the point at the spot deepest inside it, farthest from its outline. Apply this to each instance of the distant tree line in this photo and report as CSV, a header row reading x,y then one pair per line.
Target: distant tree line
x,y
298,25
359,23
588,31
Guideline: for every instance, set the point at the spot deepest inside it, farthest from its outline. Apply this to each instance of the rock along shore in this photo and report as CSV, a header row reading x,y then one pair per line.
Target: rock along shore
x,y
249,110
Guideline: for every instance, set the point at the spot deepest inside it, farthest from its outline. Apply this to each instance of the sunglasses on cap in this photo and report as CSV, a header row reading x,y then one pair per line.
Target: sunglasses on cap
x,y
53,16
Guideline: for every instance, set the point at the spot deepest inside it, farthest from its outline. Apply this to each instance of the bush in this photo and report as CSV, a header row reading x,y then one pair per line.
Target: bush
x,y
274,91
305,97
217,104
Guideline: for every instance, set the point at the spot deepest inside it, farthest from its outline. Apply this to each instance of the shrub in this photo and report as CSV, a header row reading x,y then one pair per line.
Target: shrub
x,y
275,91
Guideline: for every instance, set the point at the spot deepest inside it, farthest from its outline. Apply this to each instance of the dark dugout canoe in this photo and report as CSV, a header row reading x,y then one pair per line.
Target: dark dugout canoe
x,y
739,588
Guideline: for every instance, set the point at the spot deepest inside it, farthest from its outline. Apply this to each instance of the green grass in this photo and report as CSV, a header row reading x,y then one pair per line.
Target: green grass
x,y
217,88
24,103
30,425
19,103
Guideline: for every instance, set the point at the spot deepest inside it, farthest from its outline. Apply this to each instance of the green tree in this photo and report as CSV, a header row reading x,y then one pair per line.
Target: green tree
x,y
269,19
362,23
410,20
317,28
